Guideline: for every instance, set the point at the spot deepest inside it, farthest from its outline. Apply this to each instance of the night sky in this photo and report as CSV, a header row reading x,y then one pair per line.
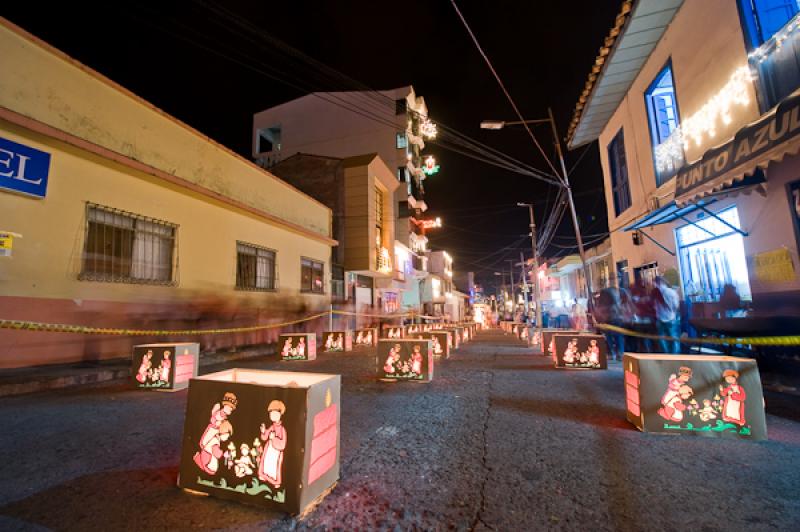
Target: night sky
x,y
192,64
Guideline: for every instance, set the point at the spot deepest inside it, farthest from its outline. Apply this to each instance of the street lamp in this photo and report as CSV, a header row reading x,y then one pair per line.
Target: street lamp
x,y
500,124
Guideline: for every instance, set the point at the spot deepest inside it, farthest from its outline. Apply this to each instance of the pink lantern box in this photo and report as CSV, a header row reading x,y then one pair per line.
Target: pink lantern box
x,y
365,338
717,396
457,336
405,360
414,329
298,346
337,341
580,351
269,438
394,333
164,367
440,342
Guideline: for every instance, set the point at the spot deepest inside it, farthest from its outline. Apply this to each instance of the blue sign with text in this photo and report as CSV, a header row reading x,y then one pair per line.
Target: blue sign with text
x,y
23,169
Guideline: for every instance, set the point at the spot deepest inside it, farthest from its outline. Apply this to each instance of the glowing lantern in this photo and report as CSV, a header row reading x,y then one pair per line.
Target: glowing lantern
x,y
393,333
547,340
337,341
429,166
458,336
405,360
166,367
695,395
298,346
268,438
365,337
440,342
585,351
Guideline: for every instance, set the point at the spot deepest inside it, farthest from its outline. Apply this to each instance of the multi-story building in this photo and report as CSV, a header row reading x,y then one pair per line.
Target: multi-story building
x,y
695,109
129,218
392,124
359,191
438,296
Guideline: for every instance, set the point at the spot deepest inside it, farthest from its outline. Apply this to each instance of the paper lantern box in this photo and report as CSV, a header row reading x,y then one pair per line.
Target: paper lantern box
x,y
269,438
440,342
365,337
466,334
581,351
516,327
414,328
337,341
693,394
547,340
534,337
298,346
457,336
405,360
164,367
392,332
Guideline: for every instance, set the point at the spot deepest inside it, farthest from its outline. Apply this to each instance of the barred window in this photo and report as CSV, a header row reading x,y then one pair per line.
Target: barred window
x,y
255,267
312,278
126,247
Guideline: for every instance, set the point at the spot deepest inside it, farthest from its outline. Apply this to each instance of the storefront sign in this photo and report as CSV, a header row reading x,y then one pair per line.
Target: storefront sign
x,y
23,169
774,266
749,143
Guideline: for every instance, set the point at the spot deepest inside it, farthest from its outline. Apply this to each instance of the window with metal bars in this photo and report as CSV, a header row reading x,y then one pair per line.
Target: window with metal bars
x,y
124,247
255,267
312,276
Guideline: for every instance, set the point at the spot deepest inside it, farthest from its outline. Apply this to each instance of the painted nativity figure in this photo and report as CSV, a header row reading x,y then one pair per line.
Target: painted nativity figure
x,y
733,405
218,431
274,437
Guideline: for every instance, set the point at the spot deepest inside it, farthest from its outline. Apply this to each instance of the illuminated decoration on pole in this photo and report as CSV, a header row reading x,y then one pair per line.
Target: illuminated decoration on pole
x,y
430,167
385,261
427,128
669,154
429,224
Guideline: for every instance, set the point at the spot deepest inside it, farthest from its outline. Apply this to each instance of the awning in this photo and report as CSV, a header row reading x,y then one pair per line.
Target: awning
x,y
770,138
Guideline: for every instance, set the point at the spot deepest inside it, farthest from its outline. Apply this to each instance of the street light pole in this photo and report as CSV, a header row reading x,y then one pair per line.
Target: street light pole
x,y
513,299
578,236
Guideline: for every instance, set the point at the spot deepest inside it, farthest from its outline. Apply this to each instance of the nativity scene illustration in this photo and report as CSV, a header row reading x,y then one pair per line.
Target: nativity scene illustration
x,y
259,465
298,346
405,360
150,375
582,351
366,337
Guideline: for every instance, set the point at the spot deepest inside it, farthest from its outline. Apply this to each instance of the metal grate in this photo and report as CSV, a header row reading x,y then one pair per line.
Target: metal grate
x,y
124,247
255,267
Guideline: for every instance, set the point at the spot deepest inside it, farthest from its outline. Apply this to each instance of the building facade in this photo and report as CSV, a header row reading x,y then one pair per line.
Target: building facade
x,y
121,216
359,190
697,126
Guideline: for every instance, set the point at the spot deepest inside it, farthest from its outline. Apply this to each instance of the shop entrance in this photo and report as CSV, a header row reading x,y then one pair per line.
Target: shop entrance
x,y
711,252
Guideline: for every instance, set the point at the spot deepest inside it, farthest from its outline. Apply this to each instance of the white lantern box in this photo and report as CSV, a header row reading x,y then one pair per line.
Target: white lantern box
x,y
458,335
699,395
337,341
440,342
394,333
164,367
580,351
365,337
405,360
414,329
548,348
298,346
269,438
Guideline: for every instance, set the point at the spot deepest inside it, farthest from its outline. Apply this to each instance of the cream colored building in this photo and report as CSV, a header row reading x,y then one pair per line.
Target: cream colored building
x,y
144,223
699,94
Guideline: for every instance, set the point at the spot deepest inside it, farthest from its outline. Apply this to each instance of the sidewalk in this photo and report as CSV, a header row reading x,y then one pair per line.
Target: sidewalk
x,y
40,378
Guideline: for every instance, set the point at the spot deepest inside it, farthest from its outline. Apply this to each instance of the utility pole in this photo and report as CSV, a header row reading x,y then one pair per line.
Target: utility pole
x,y
537,296
578,237
513,300
524,283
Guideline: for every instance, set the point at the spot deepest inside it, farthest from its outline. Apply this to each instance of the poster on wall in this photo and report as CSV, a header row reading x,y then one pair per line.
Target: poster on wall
x,y
164,366
298,346
405,360
695,395
580,351
249,435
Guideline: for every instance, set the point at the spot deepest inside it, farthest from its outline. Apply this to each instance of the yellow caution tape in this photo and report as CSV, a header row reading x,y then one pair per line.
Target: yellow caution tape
x,y
730,340
19,325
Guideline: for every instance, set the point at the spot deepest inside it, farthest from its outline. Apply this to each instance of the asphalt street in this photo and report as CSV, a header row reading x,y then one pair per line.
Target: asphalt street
x,y
499,440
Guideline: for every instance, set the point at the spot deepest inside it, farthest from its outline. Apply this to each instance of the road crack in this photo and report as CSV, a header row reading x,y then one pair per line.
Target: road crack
x,y
484,457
